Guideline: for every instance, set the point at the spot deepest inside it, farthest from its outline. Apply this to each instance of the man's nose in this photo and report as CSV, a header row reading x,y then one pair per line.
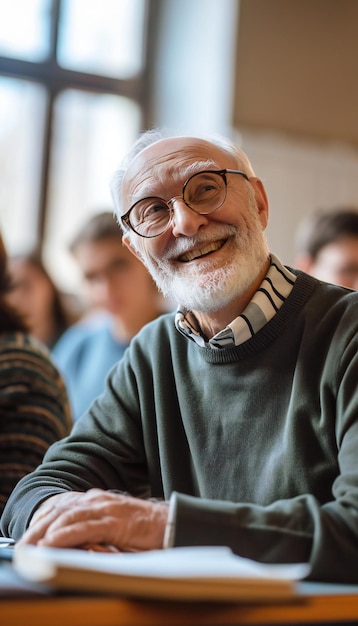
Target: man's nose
x,y
185,221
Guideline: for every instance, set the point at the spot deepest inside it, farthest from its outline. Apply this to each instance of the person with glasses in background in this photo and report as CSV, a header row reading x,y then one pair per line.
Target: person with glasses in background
x,y
232,421
327,246
120,297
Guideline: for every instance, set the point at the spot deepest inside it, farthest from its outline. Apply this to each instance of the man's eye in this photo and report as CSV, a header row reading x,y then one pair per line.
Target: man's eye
x,y
207,188
155,209
203,192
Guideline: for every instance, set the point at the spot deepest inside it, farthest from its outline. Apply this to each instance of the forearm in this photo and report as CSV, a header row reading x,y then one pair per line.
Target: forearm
x,y
297,530
22,506
66,469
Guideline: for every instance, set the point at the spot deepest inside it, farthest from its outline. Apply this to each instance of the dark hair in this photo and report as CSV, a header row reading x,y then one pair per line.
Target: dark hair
x,y
325,227
10,321
63,317
100,226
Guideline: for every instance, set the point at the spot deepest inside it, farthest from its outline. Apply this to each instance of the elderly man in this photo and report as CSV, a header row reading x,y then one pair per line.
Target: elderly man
x,y
233,421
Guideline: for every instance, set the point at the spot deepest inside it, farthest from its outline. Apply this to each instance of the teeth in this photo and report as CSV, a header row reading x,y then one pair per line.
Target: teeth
x,y
195,254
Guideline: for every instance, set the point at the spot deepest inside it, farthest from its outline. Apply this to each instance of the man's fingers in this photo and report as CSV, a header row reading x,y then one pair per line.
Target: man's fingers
x,y
38,527
76,534
45,515
98,518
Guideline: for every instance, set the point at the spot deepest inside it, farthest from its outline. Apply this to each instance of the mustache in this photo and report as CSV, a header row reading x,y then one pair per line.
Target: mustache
x,y
184,244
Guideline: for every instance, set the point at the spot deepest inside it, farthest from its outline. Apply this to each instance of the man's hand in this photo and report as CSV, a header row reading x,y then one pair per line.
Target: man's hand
x,y
98,518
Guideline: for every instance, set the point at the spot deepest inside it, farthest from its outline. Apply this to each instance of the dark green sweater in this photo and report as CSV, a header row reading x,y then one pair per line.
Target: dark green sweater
x,y
259,442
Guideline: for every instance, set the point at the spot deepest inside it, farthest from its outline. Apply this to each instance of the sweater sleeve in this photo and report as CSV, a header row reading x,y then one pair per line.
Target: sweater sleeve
x,y
104,450
34,409
317,529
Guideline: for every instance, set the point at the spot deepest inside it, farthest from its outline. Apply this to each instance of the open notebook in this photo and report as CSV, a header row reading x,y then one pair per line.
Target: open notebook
x,y
189,574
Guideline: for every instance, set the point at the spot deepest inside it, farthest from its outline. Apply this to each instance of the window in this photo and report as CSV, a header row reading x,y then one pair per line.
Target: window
x,y
72,78
102,41
25,29
22,118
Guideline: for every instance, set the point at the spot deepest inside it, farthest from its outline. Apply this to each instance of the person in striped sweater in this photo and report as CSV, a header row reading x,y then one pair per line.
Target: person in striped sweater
x,y
34,408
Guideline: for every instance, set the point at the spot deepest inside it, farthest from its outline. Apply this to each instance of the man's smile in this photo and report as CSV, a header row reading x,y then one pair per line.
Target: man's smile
x,y
200,252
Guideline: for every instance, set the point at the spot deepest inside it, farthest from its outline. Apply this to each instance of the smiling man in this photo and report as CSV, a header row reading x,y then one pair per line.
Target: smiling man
x,y
195,259
233,421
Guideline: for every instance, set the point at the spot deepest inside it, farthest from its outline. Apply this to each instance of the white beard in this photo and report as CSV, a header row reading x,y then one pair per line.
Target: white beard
x,y
205,288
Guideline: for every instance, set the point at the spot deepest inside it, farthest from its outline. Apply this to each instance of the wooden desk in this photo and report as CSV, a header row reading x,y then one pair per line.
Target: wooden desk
x,y
319,606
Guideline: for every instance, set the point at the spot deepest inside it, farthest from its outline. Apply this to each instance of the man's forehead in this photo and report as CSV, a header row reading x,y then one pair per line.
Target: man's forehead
x,y
168,153
177,146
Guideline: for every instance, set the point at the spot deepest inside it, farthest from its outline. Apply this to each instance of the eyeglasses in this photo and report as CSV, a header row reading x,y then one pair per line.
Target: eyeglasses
x,y
204,193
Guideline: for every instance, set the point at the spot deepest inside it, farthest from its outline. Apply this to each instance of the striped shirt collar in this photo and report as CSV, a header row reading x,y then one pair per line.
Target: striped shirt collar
x,y
272,293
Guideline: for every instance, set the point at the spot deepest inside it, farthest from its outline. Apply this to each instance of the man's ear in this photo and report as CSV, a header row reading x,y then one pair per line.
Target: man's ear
x,y
126,240
261,199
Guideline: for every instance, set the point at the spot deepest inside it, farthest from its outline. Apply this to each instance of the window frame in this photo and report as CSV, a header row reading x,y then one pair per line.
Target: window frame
x,y
55,79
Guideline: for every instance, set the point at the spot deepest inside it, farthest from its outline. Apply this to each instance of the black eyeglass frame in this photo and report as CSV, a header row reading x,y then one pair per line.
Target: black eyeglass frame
x,y
126,217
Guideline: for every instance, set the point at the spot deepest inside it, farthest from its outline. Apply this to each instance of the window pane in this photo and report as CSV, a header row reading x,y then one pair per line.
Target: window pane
x,y
91,134
25,28
22,114
102,36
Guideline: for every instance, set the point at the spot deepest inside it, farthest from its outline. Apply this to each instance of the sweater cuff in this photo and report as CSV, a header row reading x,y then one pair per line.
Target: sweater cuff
x,y
169,532
194,521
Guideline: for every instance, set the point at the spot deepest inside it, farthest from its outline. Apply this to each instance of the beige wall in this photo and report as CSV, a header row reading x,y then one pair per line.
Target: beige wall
x,y
297,67
296,104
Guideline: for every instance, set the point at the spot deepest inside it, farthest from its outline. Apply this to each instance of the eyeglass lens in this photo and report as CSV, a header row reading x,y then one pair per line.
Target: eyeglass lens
x,y
204,192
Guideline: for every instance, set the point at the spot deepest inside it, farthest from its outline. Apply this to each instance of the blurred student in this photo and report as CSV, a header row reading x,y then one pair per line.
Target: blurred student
x,y
34,295
327,246
34,408
118,287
